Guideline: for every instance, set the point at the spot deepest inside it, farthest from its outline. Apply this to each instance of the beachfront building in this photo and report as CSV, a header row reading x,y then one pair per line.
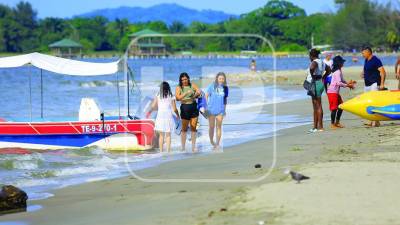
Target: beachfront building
x,y
66,48
147,46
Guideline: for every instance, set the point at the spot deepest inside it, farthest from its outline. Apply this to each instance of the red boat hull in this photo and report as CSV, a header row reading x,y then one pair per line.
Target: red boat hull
x,y
76,134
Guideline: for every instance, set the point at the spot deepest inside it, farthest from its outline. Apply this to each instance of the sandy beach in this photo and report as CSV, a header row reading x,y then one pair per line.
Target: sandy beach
x,y
353,179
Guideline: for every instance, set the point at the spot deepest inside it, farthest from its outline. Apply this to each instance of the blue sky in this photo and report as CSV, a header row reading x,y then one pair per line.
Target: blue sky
x,y
68,8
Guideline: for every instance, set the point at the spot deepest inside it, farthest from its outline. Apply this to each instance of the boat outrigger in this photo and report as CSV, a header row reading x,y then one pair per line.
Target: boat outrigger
x,y
92,128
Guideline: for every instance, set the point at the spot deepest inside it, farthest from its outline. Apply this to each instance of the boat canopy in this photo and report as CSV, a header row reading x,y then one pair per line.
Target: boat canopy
x,y
61,65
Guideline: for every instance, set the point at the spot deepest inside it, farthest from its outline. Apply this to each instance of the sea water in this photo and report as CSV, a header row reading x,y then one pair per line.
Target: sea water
x,y
246,120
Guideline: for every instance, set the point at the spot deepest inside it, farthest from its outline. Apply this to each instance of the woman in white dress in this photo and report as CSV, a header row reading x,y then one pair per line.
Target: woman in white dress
x,y
165,124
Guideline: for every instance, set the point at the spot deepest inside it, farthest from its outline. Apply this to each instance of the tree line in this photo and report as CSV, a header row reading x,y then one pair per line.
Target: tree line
x,y
356,23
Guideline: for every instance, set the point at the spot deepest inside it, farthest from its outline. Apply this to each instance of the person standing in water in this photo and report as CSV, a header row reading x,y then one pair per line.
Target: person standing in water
x,y
216,95
334,97
253,65
374,75
186,93
164,124
317,70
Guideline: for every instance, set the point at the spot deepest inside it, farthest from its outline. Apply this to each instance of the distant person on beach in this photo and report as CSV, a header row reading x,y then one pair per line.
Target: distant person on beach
x,y
187,93
328,77
328,60
164,102
397,71
253,65
216,95
374,75
316,71
354,58
334,97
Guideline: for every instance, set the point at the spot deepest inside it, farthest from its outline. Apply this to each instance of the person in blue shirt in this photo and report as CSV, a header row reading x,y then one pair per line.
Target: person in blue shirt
x,y
216,96
373,72
374,75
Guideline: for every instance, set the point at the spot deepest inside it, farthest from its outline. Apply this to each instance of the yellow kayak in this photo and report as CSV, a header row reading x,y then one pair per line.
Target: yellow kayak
x,y
375,105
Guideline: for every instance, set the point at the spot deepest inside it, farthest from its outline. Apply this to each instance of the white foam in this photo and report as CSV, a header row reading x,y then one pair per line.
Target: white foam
x,y
94,179
39,195
25,165
92,84
23,157
32,182
79,170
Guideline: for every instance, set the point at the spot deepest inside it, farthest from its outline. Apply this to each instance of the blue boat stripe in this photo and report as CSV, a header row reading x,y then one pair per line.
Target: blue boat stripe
x,y
70,140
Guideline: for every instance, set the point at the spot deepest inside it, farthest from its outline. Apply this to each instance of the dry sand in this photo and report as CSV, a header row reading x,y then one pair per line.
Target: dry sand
x,y
295,77
338,193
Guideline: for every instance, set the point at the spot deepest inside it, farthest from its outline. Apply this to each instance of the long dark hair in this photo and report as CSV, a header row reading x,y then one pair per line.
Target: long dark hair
x,y
184,74
336,66
165,90
225,84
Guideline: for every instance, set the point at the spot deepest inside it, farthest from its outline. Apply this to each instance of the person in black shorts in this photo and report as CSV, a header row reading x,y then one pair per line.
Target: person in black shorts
x,y
187,93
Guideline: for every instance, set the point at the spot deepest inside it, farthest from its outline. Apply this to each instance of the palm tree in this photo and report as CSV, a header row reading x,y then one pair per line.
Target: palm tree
x,y
177,27
122,27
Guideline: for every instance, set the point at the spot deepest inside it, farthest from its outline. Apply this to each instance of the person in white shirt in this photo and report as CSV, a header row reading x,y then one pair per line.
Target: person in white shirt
x,y
328,60
165,103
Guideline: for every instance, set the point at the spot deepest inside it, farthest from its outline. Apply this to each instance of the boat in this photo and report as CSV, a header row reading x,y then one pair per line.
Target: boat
x,y
375,105
91,129
332,52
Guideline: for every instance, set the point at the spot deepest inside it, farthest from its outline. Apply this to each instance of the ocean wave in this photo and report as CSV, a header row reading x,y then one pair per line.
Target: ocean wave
x,y
43,174
26,165
29,182
96,83
39,195
79,170
21,162
87,151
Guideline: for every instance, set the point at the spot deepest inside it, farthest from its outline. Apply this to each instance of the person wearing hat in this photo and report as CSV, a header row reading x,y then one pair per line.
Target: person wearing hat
x,y
333,91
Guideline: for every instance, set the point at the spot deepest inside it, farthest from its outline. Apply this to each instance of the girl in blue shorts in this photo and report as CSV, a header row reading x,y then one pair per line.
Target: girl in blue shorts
x,y
216,95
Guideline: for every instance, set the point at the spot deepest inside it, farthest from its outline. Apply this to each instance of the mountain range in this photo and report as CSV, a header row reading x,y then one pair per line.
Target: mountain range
x,y
167,12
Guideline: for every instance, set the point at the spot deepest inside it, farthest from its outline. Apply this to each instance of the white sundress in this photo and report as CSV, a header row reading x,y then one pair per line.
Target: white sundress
x,y
164,120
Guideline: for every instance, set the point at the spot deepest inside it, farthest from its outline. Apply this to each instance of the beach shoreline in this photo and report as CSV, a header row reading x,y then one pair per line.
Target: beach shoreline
x,y
131,201
128,200
293,78
60,195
